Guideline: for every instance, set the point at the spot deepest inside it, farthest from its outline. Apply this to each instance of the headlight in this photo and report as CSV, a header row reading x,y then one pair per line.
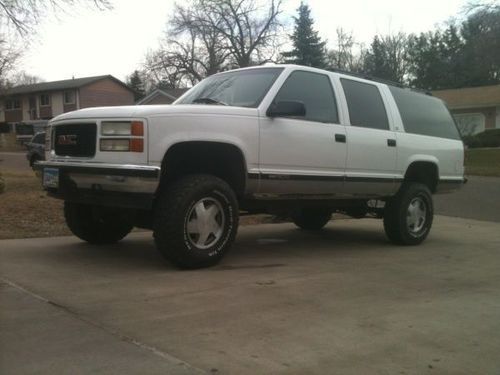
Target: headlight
x,y
127,131
135,128
116,128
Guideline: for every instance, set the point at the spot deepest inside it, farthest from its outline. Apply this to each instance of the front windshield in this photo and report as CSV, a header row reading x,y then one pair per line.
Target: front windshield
x,y
243,88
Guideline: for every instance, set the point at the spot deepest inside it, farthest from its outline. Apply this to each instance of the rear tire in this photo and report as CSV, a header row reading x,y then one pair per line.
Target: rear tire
x,y
311,218
196,220
408,215
95,224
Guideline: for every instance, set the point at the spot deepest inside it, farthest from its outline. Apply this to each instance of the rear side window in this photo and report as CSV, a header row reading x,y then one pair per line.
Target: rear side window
x,y
315,91
424,114
366,108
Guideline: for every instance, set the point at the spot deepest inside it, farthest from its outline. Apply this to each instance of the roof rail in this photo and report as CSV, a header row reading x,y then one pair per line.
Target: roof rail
x,y
379,80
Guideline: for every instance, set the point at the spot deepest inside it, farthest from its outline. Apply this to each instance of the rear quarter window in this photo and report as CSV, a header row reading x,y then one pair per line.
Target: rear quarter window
x,y
424,114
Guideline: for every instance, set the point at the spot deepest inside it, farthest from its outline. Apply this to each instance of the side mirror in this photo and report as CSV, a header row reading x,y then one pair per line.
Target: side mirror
x,y
288,108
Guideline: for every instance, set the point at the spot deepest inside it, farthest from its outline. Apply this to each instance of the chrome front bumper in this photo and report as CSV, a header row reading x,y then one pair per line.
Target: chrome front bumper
x,y
109,184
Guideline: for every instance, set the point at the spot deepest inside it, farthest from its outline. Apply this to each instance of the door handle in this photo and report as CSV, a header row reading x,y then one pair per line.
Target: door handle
x,y
340,138
391,142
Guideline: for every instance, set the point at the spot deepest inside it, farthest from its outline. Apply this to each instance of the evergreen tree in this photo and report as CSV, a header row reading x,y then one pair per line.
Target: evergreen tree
x,y
462,55
436,60
135,82
387,57
308,49
481,52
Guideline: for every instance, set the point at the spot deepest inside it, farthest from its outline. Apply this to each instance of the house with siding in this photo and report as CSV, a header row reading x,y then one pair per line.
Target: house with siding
x,y
475,109
43,101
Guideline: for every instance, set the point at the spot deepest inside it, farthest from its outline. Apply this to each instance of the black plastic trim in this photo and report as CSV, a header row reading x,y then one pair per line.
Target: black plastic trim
x,y
293,177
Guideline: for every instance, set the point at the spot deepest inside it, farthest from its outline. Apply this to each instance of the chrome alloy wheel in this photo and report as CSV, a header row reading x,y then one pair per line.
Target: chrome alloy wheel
x,y
205,223
416,215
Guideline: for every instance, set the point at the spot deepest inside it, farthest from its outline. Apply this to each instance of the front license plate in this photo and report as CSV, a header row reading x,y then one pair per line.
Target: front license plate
x,y
51,177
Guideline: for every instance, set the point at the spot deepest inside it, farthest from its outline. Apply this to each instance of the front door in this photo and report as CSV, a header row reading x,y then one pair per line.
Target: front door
x,y
303,155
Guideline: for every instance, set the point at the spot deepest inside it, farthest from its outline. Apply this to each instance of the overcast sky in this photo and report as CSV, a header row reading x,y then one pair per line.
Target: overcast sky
x,y
88,42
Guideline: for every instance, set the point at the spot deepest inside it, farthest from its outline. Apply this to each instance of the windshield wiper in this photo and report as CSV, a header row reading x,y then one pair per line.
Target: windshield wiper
x,y
207,100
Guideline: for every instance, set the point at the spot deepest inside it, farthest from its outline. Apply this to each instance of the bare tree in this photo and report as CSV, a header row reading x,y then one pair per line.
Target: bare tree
x,y
208,36
347,54
25,14
248,28
190,51
9,56
24,78
18,18
481,5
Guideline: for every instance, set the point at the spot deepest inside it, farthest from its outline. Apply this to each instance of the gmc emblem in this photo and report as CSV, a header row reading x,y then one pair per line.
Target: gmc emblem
x,y
66,140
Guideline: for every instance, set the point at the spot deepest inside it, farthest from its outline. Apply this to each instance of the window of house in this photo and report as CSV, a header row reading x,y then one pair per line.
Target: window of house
x,y
12,104
315,91
470,123
44,100
69,97
366,107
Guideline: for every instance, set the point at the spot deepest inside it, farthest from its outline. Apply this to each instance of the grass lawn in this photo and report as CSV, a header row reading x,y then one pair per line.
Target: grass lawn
x,y
482,162
25,209
8,143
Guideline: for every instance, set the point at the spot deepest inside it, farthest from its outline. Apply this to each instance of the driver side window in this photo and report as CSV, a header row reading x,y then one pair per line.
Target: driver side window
x,y
315,91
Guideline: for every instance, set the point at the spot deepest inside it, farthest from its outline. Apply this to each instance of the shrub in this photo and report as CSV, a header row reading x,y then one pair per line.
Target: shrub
x,y
2,184
488,138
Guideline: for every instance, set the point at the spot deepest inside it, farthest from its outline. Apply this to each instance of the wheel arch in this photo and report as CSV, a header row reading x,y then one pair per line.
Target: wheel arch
x,y
220,158
423,171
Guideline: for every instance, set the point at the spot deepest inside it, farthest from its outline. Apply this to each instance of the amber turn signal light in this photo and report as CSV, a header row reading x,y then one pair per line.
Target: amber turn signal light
x,y
136,145
137,128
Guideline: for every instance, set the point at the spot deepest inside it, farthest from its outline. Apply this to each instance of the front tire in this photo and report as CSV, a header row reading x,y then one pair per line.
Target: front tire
x,y
311,218
33,160
408,215
196,220
95,224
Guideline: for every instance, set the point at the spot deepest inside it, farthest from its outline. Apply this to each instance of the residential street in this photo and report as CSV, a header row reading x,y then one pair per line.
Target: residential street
x,y
478,199
283,301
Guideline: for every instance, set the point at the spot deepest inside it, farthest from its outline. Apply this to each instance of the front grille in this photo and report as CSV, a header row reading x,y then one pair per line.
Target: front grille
x,y
75,140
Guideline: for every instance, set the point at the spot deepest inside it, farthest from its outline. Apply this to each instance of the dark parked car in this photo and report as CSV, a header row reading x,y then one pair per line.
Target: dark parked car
x,y
36,148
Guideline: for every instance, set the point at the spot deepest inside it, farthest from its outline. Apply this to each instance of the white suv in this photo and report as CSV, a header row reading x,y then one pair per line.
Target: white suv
x,y
270,139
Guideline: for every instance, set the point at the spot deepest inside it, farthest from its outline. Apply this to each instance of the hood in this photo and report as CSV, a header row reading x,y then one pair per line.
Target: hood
x,y
145,111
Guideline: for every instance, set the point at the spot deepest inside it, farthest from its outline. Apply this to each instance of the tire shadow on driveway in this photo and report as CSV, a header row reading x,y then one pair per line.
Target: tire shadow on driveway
x,y
258,246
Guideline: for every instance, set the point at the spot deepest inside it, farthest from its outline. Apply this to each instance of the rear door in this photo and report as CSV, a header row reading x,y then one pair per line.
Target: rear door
x,y
371,143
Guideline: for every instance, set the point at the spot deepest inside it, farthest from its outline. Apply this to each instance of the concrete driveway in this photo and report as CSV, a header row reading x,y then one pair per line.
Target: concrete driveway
x,y
341,301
